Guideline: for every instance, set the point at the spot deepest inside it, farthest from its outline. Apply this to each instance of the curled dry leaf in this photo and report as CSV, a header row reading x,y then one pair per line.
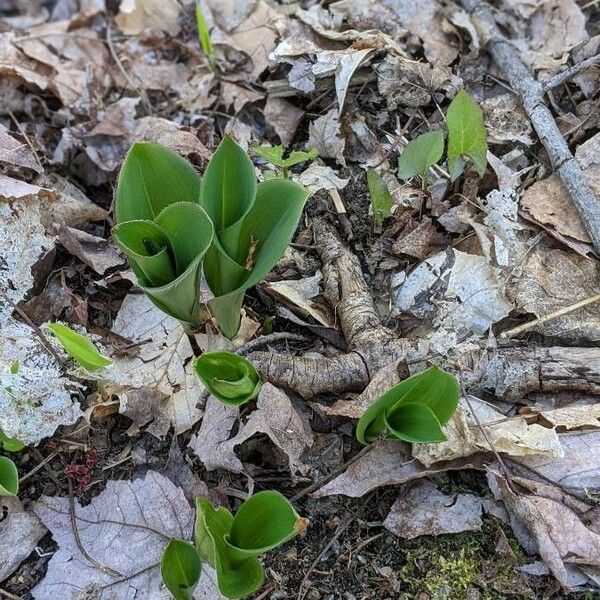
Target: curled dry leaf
x,y
96,252
320,177
422,509
135,16
284,117
16,153
20,532
325,136
513,436
125,528
157,387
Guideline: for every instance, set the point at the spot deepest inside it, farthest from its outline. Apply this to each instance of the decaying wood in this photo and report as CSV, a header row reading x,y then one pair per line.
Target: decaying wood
x,y
531,94
510,373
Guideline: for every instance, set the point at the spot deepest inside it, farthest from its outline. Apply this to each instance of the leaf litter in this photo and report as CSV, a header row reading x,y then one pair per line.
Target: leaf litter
x,y
451,270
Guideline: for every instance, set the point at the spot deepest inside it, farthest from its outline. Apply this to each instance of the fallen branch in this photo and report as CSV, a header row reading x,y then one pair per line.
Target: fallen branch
x,y
561,78
531,94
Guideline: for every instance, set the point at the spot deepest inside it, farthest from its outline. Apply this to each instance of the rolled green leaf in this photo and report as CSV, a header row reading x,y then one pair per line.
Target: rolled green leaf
x,y
413,422
180,568
433,388
79,347
151,178
231,544
9,477
228,377
10,444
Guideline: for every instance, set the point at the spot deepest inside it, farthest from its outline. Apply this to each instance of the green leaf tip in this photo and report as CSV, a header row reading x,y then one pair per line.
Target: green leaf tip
x,y
79,348
230,378
176,229
10,444
9,477
232,544
180,569
420,155
467,137
414,410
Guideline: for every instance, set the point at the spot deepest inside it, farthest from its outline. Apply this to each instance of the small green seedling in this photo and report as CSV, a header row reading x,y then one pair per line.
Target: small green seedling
x,y
228,377
415,410
204,37
10,444
381,199
467,139
466,135
180,568
274,156
79,347
9,477
420,155
174,228
232,544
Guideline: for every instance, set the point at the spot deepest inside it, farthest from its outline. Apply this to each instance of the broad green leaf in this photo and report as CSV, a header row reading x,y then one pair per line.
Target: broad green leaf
x,y
434,388
204,36
148,250
235,578
466,135
10,444
229,377
79,347
180,568
414,423
228,187
420,155
9,477
381,200
151,178
263,522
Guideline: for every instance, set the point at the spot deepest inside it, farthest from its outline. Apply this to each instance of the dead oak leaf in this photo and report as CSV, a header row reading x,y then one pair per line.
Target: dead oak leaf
x,y
324,134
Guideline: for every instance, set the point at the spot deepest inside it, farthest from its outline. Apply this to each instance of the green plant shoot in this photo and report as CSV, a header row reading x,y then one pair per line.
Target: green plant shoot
x,y
228,377
466,135
420,155
274,156
10,444
79,347
174,228
9,477
381,200
180,568
232,544
204,37
415,410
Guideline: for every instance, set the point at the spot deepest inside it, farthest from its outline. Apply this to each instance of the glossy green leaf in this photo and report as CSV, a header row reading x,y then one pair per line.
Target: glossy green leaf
x,y
79,347
229,377
420,155
151,178
231,544
433,388
180,568
413,422
204,36
466,135
10,444
381,200
9,477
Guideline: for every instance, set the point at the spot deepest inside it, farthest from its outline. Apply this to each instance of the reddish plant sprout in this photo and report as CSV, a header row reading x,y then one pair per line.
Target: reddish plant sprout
x,y
81,474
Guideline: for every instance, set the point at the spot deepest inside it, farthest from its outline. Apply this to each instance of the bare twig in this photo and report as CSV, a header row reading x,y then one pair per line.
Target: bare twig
x,y
553,315
91,559
270,338
531,94
8,595
571,72
38,467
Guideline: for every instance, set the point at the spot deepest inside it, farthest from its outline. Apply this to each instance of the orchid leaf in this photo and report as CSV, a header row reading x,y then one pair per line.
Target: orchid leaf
x,y
420,155
381,200
466,135
79,347
9,477
180,568
10,444
433,388
228,377
413,422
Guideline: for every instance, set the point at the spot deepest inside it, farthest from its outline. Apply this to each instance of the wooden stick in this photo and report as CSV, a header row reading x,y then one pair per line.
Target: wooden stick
x,y
569,73
531,94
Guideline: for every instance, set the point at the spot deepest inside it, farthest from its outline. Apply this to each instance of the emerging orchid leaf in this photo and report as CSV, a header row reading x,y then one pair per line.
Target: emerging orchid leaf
x,y
420,155
79,347
232,544
415,410
9,477
174,229
10,444
228,377
180,568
